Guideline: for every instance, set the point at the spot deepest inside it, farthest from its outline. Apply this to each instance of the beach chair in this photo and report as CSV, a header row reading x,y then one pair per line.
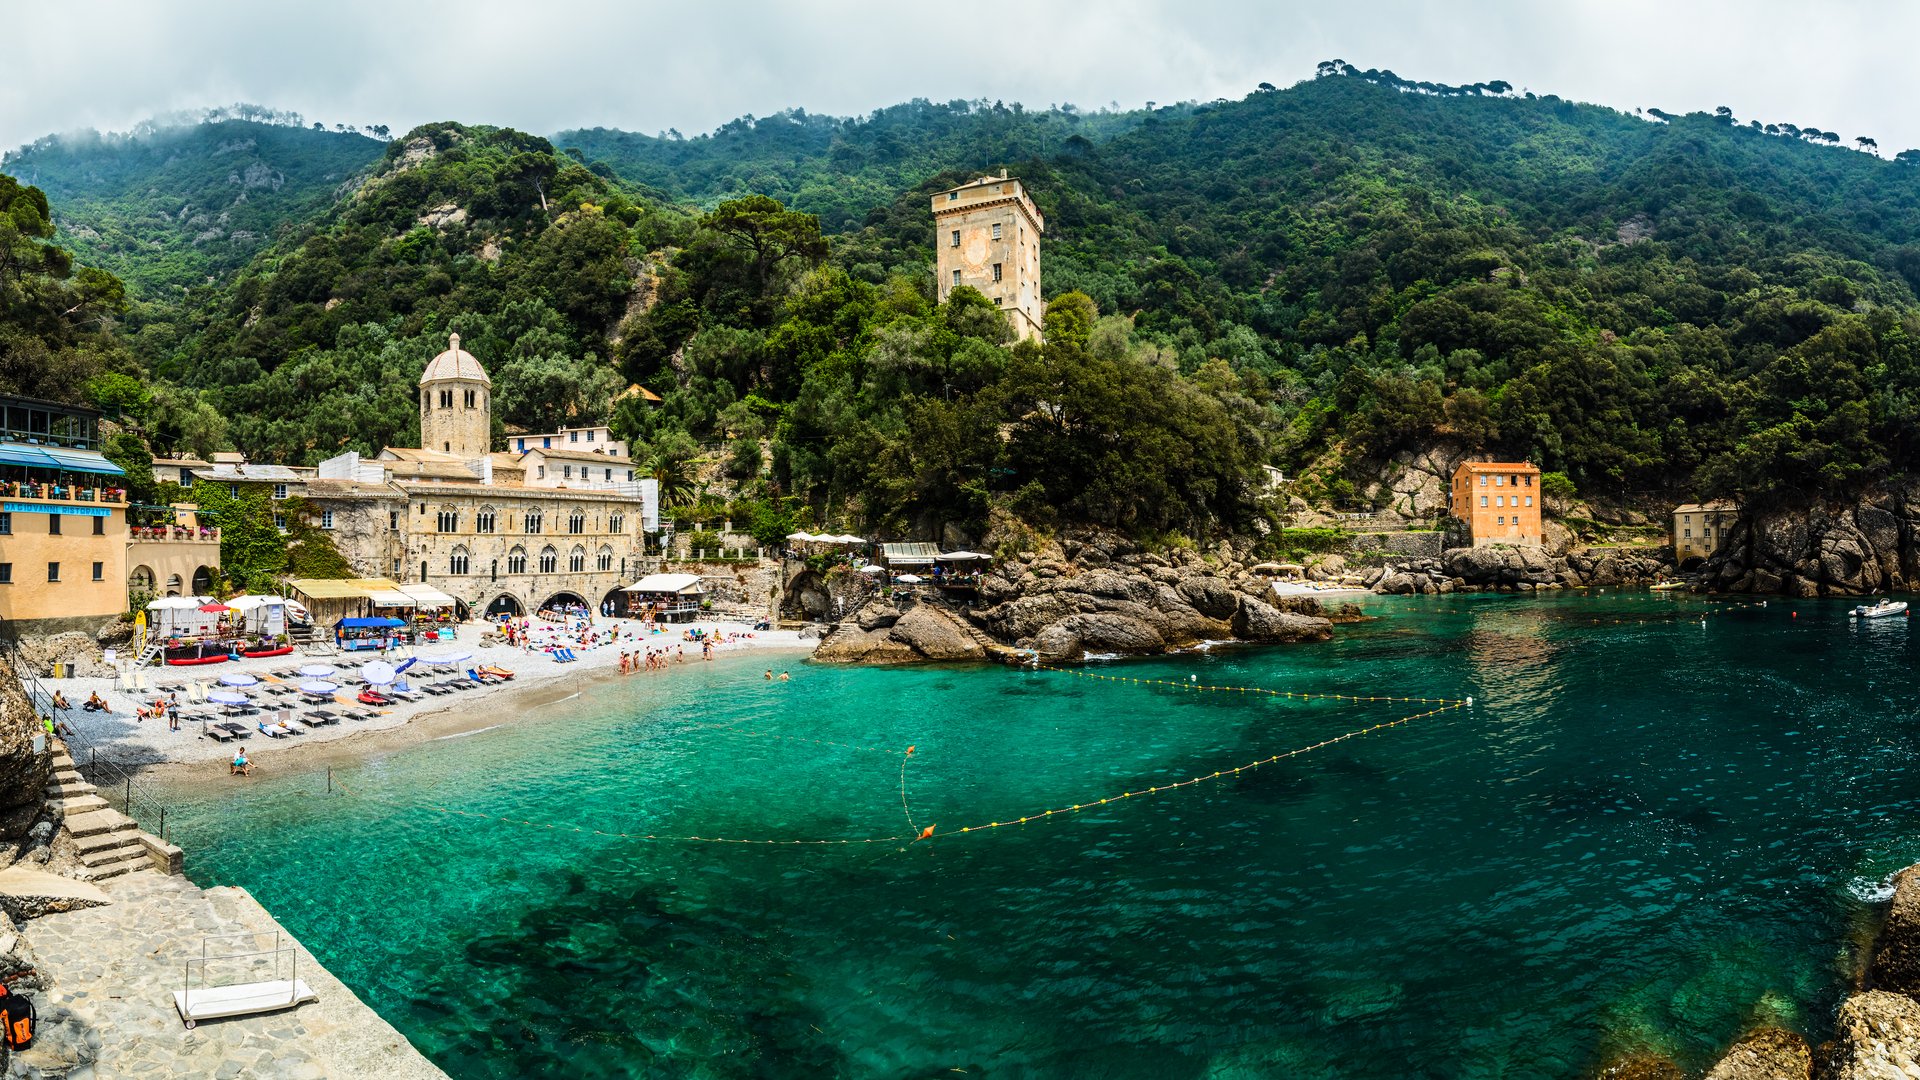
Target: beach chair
x,y
217,735
268,732
322,715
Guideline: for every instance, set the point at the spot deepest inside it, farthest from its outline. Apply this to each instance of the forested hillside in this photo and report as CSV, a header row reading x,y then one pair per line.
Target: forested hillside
x,y
167,207
1313,277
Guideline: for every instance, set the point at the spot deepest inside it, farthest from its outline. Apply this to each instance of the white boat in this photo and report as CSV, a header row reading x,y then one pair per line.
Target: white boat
x,y
1884,607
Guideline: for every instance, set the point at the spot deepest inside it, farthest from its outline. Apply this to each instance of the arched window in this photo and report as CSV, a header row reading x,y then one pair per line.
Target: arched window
x,y
458,563
577,523
577,560
517,560
533,522
605,559
614,521
484,521
549,560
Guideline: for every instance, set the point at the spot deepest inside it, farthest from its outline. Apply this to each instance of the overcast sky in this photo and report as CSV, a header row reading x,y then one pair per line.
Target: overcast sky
x,y
649,66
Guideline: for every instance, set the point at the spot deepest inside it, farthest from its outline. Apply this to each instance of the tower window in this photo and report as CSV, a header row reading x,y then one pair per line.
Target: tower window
x,y
956,278
996,271
953,196
955,242
446,399
473,399
996,230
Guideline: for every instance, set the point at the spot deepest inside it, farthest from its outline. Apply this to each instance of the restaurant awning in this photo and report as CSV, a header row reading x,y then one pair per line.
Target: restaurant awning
x,y
354,624
427,596
390,598
667,583
909,554
58,457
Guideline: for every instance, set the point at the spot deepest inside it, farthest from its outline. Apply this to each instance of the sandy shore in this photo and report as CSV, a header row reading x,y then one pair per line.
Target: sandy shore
x,y
537,680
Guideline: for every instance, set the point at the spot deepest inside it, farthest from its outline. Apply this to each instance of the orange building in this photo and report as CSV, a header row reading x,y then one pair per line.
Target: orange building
x,y
1499,501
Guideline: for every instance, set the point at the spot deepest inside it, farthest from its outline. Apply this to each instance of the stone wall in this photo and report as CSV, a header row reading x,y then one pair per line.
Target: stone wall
x,y
23,768
1417,545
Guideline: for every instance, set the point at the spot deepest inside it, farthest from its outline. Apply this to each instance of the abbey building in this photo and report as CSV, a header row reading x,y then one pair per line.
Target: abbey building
x,y
512,531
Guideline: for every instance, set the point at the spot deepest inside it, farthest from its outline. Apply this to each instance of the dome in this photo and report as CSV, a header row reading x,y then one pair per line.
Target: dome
x,y
455,363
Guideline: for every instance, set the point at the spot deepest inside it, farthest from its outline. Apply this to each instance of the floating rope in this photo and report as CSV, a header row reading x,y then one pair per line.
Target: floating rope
x,y
1207,687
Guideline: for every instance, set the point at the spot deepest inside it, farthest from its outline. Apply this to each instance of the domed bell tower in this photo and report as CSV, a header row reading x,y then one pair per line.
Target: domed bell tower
x,y
455,404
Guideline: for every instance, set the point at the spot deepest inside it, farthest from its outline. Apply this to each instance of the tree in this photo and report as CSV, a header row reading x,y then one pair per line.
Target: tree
x,y
1867,144
767,237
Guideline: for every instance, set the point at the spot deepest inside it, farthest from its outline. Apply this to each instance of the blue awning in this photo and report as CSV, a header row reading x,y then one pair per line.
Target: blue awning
x,y
354,623
58,457
82,460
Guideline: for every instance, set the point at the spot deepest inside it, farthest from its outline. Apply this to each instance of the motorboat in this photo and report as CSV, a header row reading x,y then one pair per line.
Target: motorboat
x,y
1884,607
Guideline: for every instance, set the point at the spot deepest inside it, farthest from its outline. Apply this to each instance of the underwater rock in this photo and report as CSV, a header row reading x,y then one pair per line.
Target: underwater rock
x,y
1896,959
1767,1054
1876,1037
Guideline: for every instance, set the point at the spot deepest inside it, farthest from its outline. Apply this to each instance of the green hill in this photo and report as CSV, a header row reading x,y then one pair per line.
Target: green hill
x,y
169,207
1314,277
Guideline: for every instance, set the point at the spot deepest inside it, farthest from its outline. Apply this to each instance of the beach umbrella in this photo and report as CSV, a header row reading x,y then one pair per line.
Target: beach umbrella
x,y
405,664
227,697
318,689
316,671
215,608
377,673
449,660
908,579
873,568
238,678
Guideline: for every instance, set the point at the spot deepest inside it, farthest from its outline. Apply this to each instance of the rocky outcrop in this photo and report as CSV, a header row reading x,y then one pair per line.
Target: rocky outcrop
x,y
23,773
1514,567
1876,1037
1766,1054
1858,548
882,633
1896,957
1095,595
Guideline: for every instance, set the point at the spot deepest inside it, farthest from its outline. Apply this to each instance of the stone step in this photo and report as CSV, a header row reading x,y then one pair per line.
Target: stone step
x,y
94,822
68,791
104,856
79,804
99,842
101,873
68,776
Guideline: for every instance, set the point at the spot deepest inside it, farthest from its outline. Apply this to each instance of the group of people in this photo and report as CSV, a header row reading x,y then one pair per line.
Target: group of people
x,y
168,707
652,659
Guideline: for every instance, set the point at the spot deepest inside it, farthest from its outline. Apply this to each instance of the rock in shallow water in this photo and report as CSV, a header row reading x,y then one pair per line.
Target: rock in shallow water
x,y
1766,1054
1876,1037
1896,957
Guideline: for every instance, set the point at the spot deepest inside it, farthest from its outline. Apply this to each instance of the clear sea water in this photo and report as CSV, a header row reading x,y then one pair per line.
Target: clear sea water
x,y
1644,836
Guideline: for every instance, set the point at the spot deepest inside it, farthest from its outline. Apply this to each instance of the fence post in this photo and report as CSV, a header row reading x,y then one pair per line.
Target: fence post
x,y
129,796
163,824
329,779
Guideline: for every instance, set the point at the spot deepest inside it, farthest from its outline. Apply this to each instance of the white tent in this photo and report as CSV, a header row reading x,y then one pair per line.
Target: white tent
x,y
679,584
963,556
265,615
804,537
849,538
182,614
427,597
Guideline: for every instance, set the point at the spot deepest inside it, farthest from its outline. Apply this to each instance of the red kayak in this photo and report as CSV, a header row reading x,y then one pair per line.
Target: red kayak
x,y
281,651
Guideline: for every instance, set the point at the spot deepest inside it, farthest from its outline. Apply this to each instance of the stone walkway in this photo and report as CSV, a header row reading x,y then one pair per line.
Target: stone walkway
x,y
116,968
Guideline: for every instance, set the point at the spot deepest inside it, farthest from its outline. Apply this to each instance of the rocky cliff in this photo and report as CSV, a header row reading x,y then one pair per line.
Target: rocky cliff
x,y
1106,597
1855,548
23,772
1517,567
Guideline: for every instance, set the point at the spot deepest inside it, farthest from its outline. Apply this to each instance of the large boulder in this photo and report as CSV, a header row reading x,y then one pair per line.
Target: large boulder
x,y
1209,596
1766,1054
1896,956
1260,621
1876,1037
936,634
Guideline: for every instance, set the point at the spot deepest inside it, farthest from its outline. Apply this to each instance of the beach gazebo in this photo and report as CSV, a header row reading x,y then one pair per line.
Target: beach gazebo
x,y
673,597
909,557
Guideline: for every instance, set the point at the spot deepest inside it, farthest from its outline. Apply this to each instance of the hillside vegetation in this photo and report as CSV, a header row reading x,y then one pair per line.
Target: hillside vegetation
x,y
1314,277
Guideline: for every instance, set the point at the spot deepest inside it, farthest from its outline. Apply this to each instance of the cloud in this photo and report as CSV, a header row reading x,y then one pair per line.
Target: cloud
x,y
649,67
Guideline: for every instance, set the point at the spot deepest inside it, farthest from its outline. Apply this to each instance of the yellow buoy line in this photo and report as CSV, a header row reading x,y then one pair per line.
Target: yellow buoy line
x,y
916,833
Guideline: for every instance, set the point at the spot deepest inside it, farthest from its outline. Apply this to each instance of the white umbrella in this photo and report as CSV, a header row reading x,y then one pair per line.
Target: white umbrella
x,y
318,689
377,673
316,671
449,659
227,697
964,556
873,568
174,603
908,579
803,537
238,678
849,538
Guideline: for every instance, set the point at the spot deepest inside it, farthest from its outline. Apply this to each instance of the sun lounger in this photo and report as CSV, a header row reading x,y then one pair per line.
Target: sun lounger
x,y
322,715
217,735
406,695
271,733
238,731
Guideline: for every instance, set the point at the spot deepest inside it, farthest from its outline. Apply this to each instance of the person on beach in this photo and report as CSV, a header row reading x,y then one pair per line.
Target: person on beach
x,y
784,676
173,712
769,674
60,702
240,766
95,703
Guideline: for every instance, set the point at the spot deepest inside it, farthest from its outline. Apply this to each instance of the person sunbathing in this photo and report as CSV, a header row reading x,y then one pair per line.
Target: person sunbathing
x,y
95,703
60,700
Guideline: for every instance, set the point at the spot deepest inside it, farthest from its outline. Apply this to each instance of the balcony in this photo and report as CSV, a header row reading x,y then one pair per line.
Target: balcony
x,y
179,534
51,492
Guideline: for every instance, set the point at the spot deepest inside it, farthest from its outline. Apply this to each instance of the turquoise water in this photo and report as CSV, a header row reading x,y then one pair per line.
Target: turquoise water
x,y
1643,836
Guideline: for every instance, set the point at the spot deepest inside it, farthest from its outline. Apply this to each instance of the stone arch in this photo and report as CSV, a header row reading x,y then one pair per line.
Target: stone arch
x,y
562,598
505,604
806,597
617,602
140,580
203,581
175,584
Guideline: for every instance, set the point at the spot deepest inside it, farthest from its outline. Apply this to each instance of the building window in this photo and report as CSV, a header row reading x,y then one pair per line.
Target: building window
x,y
1529,479
99,526
446,399
629,474
516,561
609,475
99,571
568,475
573,436
483,521
458,563
53,524
396,568
952,196
1688,533
326,519
1483,502
549,560
473,399
956,277
996,271
522,446
547,442
1498,480
955,242
577,561
540,472
393,521
605,561
280,522
589,436
279,491
1529,500
996,230
233,491
614,522
1501,520
6,524
577,523
53,571
533,521
448,521
6,573
1483,479
1499,500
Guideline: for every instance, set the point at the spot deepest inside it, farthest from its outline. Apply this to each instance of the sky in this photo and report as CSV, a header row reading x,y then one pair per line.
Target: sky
x,y
645,66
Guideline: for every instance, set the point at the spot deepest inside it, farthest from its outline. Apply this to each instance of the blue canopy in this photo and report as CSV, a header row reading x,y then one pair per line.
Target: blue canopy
x,y
353,623
58,457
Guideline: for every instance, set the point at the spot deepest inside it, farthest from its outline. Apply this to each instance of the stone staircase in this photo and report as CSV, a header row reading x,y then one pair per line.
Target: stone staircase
x,y
109,843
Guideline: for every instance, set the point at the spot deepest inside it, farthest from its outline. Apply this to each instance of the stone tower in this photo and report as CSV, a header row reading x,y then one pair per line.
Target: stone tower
x,y
987,235
454,404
